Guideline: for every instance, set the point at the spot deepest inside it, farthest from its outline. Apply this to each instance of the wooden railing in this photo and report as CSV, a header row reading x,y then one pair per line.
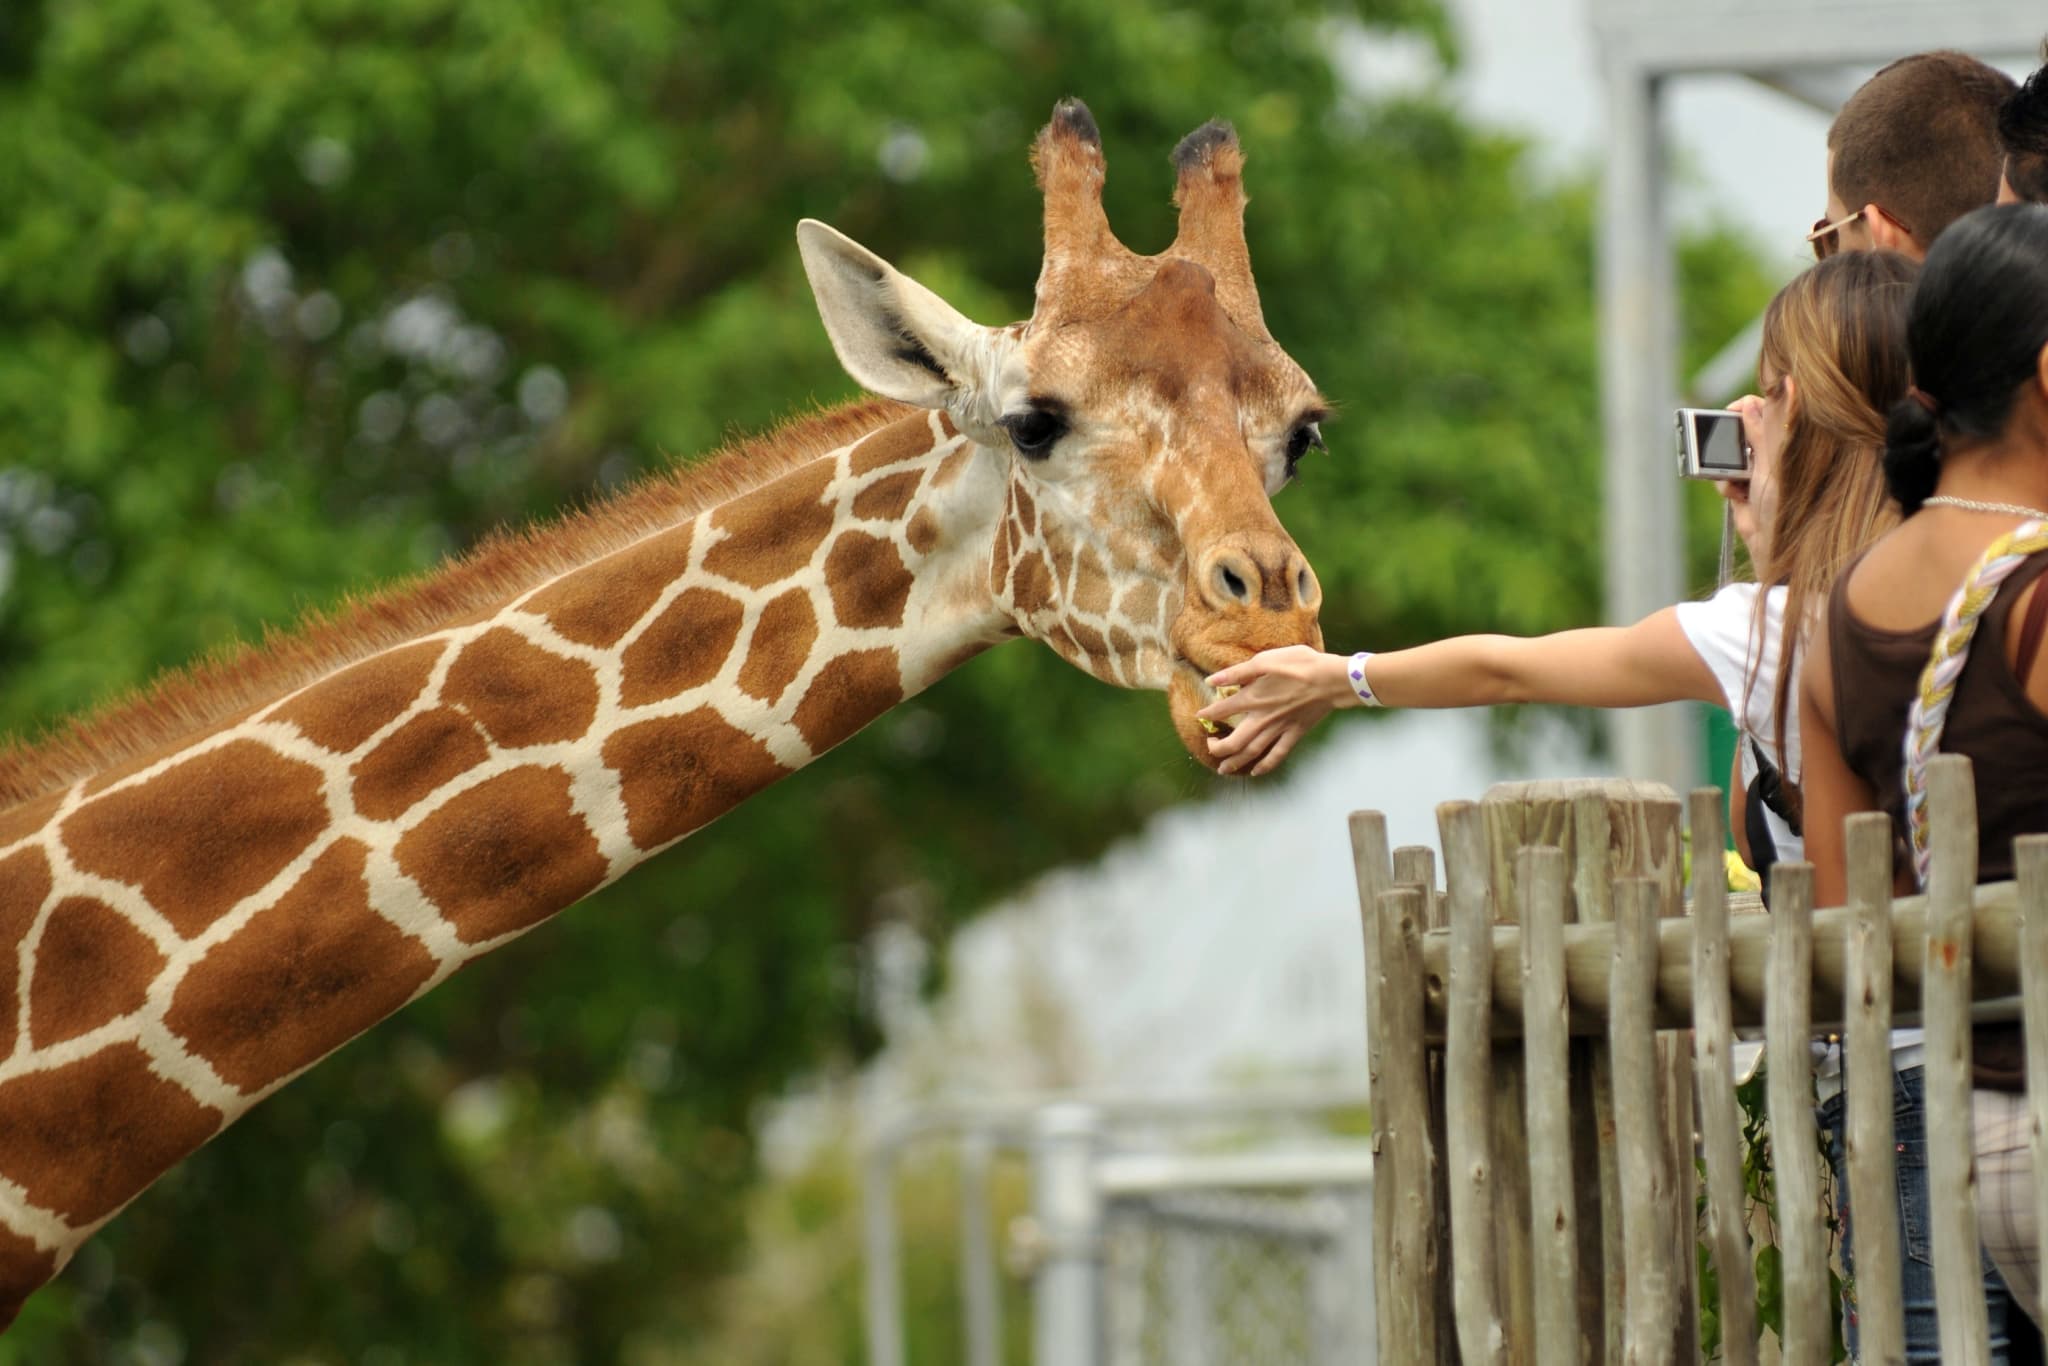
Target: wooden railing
x,y
1537,1029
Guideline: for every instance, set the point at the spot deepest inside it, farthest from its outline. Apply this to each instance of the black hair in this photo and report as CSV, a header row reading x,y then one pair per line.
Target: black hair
x,y
2023,130
1974,336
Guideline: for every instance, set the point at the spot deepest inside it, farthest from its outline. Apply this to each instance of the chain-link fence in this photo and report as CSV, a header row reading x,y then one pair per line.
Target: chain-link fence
x,y
1250,1278
1161,1232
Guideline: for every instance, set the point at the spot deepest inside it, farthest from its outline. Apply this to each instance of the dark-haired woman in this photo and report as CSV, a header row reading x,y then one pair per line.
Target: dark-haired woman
x,y
1967,458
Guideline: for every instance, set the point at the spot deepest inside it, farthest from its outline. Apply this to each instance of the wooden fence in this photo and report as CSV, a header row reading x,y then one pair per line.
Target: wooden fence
x,y
1540,1028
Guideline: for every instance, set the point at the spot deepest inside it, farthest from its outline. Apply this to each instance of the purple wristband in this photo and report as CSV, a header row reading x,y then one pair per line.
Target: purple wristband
x,y
1355,670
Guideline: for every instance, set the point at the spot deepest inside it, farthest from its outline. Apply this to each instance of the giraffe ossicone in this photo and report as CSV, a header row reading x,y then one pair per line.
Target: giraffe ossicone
x,y
208,889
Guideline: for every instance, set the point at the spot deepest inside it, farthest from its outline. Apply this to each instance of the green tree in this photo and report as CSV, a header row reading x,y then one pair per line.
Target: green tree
x,y
297,298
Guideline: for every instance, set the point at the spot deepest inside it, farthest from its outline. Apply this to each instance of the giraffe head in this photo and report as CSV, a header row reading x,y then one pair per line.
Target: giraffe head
x,y
1140,423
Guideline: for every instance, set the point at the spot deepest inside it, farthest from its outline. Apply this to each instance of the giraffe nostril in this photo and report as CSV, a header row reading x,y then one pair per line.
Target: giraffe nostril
x,y
1233,585
1301,589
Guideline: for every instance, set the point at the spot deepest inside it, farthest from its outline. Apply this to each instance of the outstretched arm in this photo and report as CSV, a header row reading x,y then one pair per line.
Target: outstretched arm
x,y
1285,692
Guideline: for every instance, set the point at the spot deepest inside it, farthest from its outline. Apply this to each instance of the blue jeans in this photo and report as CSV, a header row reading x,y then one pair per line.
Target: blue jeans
x,y
1916,1252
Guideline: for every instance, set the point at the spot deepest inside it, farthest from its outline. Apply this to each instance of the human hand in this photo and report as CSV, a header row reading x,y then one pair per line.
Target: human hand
x,y
1737,491
1281,695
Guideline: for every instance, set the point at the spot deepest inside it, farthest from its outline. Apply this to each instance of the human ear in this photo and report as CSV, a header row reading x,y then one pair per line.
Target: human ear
x,y
1888,234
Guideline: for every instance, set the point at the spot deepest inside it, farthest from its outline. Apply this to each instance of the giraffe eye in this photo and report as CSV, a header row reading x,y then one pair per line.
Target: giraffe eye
x,y
1034,430
1309,435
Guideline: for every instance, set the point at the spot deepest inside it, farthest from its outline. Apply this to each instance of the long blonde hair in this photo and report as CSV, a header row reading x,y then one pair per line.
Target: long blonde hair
x,y
1838,332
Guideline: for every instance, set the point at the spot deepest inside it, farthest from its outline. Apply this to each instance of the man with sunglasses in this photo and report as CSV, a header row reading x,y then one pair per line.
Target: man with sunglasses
x,y
1915,148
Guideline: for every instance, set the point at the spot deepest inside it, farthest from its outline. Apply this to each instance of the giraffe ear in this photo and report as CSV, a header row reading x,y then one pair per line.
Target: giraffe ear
x,y
892,334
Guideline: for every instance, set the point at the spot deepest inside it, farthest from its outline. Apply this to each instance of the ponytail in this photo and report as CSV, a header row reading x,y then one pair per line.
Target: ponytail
x,y
1912,453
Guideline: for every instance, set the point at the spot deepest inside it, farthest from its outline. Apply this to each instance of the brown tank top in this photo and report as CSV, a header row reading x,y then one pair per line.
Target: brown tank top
x,y
1877,673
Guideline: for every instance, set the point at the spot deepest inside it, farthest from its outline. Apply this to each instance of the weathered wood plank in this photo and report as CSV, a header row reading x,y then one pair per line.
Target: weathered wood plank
x,y
1468,1087
1795,1157
1373,869
1720,1116
1945,999
1649,1283
1407,1181
1540,884
1589,948
2030,853
1867,1066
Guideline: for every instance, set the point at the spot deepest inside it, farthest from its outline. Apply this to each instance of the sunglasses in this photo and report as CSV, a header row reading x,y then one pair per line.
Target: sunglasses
x,y
1826,237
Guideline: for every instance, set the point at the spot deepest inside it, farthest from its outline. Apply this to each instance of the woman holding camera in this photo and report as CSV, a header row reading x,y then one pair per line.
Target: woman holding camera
x,y
1967,458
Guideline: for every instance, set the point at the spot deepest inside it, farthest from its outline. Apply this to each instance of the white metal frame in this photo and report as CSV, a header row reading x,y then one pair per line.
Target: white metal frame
x,y
1076,1172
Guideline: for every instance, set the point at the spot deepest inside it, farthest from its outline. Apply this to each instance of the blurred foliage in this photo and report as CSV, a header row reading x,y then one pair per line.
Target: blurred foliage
x,y
296,298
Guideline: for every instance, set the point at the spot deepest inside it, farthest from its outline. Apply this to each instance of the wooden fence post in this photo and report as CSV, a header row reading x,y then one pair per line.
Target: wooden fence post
x,y
1478,1218
1546,1017
1945,1002
2030,857
1720,1117
1795,1157
1407,1181
1372,867
1646,1176
1867,1072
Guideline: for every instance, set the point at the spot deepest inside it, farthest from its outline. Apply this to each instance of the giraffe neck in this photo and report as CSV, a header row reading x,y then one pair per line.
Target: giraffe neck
x,y
184,935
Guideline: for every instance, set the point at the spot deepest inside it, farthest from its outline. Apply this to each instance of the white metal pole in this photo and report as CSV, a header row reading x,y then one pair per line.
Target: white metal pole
x,y
1644,541
884,1287
1066,1295
981,1292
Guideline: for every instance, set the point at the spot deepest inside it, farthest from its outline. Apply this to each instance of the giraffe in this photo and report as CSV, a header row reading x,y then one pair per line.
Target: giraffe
x,y
209,888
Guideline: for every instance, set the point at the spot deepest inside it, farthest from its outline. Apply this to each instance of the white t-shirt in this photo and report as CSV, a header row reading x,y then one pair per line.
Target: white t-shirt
x,y
1723,630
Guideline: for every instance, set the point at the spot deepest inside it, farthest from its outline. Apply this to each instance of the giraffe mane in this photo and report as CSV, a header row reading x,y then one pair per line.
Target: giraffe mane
x,y
505,563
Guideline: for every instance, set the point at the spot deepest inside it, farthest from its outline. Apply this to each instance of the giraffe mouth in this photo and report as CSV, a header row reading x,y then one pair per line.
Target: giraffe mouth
x,y
1187,692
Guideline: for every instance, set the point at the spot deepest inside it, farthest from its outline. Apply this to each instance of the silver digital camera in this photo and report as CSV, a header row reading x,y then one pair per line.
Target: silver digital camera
x,y
1711,444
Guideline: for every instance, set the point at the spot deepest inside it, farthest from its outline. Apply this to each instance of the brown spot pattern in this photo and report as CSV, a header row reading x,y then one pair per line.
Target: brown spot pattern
x,y
341,712
203,834
952,467
775,529
1091,586
1023,509
909,439
91,968
598,604
1140,601
678,772
85,1138
303,978
415,759
522,694
923,531
846,694
683,648
887,497
782,641
1087,638
505,855
28,818
24,887
1032,590
23,1269
870,583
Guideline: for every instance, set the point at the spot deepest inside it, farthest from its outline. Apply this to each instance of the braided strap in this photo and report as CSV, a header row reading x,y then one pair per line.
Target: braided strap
x,y
1929,713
